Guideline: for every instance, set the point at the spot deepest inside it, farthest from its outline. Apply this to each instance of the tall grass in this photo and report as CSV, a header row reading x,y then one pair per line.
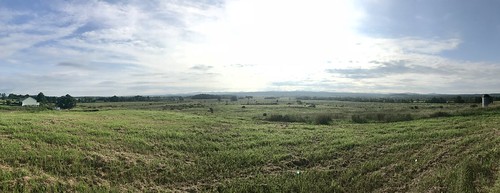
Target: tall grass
x,y
192,150
318,119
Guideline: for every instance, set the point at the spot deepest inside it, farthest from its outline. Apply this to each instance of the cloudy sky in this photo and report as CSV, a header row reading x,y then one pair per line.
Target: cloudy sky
x,y
114,47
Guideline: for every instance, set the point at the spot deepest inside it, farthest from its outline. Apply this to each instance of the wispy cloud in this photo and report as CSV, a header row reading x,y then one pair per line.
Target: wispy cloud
x,y
202,67
427,46
157,47
73,65
242,65
388,69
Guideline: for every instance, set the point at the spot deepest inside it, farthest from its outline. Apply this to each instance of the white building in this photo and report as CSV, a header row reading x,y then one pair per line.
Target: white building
x,y
29,102
487,99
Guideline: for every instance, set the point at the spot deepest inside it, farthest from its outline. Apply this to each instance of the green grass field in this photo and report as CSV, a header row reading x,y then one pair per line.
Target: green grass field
x,y
181,147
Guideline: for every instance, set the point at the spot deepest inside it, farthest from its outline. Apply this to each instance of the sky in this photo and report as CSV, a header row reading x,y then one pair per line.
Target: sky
x,y
156,47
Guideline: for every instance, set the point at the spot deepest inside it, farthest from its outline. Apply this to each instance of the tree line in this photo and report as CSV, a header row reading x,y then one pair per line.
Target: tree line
x,y
408,99
218,97
63,102
138,98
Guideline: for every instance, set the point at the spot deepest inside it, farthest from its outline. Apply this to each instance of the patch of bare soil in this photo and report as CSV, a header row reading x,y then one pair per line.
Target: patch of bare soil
x,y
5,167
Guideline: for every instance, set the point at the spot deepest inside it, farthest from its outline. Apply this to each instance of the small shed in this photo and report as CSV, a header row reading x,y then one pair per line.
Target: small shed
x,y
487,99
29,102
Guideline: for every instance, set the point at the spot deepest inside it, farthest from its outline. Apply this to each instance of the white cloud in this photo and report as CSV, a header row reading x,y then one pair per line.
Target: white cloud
x,y
413,45
233,45
16,37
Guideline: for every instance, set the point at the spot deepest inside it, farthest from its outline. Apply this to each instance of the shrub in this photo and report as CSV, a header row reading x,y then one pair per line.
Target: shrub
x,y
275,118
440,114
358,119
285,118
469,113
398,117
381,117
66,102
323,119
282,118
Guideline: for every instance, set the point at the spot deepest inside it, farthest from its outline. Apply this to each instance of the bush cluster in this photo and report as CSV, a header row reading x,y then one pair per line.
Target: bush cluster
x,y
358,119
323,119
319,119
380,117
440,114
286,118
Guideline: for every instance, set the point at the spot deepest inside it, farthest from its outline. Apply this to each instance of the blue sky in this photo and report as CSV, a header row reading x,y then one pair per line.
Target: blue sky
x,y
168,47
473,22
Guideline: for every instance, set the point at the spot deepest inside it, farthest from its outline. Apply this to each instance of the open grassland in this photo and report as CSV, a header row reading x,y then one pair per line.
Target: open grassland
x,y
180,147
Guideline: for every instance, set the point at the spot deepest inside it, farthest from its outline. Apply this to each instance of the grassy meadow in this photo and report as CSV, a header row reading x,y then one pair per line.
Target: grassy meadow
x,y
251,146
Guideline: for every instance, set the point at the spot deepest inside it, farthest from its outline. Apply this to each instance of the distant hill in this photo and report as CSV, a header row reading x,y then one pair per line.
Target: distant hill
x,y
336,94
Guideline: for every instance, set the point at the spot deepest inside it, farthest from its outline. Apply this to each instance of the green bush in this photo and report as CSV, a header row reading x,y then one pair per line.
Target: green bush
x,y
440,114
381,118
285,118
323,119
358,119
66,102
398,118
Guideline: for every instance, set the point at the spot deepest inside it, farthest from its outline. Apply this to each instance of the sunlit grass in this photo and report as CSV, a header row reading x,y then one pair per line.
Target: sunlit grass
x,y
237,150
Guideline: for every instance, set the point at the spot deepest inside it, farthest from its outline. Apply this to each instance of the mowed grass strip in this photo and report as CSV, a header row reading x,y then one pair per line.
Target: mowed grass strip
x,y
140,150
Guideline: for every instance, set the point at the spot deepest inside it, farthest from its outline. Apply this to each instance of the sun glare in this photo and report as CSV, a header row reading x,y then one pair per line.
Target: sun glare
x,y
279,39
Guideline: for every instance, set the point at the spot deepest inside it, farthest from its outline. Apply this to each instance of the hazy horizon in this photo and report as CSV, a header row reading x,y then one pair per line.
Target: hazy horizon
x,y
276,94
125,48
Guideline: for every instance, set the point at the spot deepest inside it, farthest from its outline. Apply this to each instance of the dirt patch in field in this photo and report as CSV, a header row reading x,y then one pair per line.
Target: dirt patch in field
x,y
496,132
5,167
4,136
270,168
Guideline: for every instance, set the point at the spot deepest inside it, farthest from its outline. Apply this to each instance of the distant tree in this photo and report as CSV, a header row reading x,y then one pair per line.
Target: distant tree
x,y
437,100
459,99
41,98
4,96
51,99
234,98
138,98
114,99
248,99
66,102
12,96
204,96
